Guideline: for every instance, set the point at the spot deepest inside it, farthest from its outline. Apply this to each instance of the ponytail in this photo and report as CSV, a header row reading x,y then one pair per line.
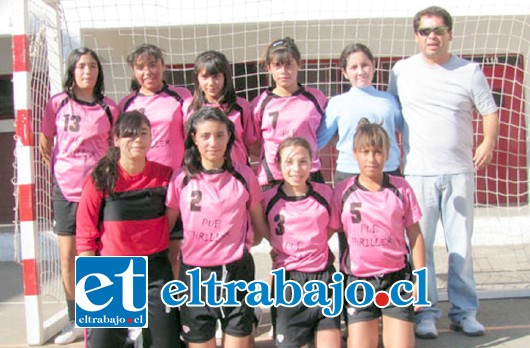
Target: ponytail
x,y
370,134
106,172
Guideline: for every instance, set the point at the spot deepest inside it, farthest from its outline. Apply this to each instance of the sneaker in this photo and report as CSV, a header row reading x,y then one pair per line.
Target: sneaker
x,y
469,326
426,328
69,334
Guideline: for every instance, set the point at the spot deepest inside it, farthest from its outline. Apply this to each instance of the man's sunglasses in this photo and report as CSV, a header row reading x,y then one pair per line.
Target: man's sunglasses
x,y
440,30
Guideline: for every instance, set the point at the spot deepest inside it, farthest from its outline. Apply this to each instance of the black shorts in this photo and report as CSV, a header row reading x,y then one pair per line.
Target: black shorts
x,y
163,323
380,283
199,323
64,212
296,326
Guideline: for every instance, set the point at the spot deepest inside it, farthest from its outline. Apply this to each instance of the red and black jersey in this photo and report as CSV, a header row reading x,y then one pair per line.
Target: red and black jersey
x,y
131,221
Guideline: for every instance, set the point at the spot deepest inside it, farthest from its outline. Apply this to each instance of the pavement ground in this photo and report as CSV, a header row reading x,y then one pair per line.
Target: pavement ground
x,y
507,320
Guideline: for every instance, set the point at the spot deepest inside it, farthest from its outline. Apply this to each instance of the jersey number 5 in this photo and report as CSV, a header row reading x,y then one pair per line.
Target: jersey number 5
x,y
355,211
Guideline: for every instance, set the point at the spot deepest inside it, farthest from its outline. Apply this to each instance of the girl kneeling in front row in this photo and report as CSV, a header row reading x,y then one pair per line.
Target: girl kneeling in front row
x,y
374,209
122,213
219,203
298,212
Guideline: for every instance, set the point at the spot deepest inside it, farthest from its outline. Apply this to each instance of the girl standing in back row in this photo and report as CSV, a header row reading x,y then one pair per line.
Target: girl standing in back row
x,y
286,109
160,102
214,88
163,106
344,112
80,119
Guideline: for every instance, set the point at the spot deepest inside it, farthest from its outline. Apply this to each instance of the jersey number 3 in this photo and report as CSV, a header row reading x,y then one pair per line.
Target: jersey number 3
x,y
280,219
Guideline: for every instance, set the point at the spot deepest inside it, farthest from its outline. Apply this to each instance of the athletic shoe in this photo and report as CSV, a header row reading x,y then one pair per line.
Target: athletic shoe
x,y
69,334
469,326
426,328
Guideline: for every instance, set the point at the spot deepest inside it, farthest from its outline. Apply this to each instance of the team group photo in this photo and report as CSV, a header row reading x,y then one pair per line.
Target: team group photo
x,y
285,177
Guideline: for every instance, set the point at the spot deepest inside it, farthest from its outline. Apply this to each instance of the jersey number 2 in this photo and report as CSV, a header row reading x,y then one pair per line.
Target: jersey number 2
x,y
196,197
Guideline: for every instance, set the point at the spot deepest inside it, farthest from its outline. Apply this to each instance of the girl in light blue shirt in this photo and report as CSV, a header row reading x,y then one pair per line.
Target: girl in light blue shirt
x,y
362,100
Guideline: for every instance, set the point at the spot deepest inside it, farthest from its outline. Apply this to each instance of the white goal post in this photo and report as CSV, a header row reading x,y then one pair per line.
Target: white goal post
x,y
494,33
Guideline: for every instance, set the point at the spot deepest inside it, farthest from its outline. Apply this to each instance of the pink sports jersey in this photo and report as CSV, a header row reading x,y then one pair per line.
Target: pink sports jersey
x,y
164,111
83,132
374,223
214,207
134,219
299,228
277,118
245,132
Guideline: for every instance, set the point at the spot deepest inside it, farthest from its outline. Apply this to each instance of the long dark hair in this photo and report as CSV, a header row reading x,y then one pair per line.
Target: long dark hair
x,y
128,125
213,62
192,156
69,80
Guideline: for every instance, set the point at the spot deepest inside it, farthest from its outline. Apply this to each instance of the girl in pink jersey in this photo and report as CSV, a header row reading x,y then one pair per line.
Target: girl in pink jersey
x,y
122,213
160,102
80,120
163,106
214,87
286,109
378,212
219,203
299,213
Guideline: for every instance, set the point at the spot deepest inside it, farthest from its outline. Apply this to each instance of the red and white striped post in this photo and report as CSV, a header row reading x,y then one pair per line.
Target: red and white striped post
x,y
29,239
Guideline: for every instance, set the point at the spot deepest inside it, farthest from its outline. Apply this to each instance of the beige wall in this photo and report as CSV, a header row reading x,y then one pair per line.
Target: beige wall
x,y
6,59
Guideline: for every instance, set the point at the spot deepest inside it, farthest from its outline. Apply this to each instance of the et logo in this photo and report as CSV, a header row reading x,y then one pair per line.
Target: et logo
x,y
110,292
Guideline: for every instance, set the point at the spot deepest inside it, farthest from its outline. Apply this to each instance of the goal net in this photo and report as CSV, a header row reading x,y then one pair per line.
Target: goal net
x,y
493,33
